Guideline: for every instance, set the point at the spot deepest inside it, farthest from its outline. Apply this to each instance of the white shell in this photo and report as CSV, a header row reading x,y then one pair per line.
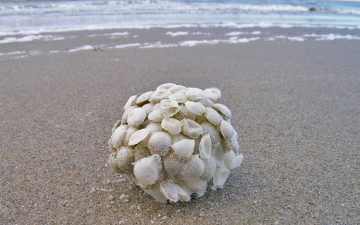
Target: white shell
x,y
116,125
194,93
158,95
169,190
166,86
236,162
153,127
177,88
124,157
147,108
173,141
212,93
206,102
129,132
217,153
191,128
173,164
227,130
144,97
205,146
147,170
173,126
159,143
141,151
118,136
138,136
130,102
179,137
136,117
155,115
220,177
155,192
169,107
214,134
234,144
126,114
195,107
183,195
194,167
183,148
209,169
213,116
194,185
223,110
178,96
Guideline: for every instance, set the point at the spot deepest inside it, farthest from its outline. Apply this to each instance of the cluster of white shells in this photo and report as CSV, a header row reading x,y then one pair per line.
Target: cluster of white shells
x,y
175,140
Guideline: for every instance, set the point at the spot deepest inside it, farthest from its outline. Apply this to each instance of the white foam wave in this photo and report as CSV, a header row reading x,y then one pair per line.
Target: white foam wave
x,y
29,38
175,34
81,48
332,37
12,53
235,33
232,40
130,45
158,45
110,34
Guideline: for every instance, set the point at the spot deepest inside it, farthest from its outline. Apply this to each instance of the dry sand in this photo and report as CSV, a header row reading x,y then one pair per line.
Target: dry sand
x,y
296,107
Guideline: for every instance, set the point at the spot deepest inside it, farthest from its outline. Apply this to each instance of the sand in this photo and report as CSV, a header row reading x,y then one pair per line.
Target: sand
x,y
295,106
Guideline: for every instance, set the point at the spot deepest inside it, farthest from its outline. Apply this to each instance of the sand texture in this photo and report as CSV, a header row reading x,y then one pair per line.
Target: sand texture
x,y
296,107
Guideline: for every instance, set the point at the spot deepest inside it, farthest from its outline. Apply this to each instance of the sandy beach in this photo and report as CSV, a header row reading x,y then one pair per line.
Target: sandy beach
x,y
295,106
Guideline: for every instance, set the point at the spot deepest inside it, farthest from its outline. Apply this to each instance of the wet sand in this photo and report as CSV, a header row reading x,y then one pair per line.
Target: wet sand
x,y
295,106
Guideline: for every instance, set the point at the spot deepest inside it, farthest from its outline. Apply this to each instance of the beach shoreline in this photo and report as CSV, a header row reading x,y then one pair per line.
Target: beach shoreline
x,y
295,107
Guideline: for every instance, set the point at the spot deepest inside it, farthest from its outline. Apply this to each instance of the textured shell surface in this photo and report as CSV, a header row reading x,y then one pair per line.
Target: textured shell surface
x,y
194,167
124,157
129,132
223,110
159,143
209,169
205,146
213,116
169,107
227,130
147,108
147,170
195,107
177,88
191,128
212,93
136,117
183,148
130,102
175,141
178,96
144,98
194,93
138,136
155,115
173,164
169,190
166,86
158,95
153,127
220,177
211,130
126,114
171,125
118,136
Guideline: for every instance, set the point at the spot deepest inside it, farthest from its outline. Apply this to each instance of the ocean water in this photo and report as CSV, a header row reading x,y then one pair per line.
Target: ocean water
x,y
37,16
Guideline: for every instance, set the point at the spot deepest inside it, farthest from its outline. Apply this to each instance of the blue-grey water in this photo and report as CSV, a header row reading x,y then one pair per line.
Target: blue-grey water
x,y
36,16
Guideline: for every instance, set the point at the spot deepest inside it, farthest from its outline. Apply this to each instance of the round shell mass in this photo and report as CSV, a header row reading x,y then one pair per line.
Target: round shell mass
x,y
174,142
